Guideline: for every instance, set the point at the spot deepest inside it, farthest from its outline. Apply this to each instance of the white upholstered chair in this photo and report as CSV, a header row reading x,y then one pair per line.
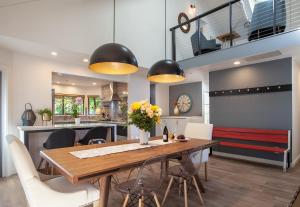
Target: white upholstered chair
x,y
56,192
201,131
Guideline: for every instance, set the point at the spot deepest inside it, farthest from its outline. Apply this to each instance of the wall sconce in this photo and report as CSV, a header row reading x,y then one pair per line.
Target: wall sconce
x,y
192,9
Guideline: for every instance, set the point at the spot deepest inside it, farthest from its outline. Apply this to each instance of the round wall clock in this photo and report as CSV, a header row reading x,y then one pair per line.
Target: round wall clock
x,y
184,103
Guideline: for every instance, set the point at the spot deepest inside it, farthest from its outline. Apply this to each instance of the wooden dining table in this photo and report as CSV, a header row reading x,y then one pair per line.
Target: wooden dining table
x,y
102,168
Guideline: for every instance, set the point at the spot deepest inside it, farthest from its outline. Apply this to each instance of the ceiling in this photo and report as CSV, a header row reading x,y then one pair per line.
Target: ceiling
x,y
73,80
7,3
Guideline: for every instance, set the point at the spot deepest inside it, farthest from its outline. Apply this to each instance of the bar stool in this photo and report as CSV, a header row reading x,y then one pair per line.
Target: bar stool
x,y
96,135
59,139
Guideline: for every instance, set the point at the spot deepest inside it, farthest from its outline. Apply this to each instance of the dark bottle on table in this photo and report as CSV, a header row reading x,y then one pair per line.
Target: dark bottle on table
x,y
165,134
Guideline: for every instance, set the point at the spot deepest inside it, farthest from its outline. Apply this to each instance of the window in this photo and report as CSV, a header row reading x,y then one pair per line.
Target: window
x,y
94,105
63,104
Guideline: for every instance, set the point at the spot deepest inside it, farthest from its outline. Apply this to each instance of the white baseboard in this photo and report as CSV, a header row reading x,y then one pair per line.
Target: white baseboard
x,y
295,161
252,159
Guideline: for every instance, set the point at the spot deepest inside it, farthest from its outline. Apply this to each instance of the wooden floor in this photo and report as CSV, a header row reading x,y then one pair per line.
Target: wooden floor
x,y
231,184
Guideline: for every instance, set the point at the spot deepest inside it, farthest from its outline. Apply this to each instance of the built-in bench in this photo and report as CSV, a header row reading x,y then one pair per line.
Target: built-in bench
x,y
257,140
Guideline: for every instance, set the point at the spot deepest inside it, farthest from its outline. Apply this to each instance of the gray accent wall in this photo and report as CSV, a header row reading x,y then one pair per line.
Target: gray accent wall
x,y
267,111
194,90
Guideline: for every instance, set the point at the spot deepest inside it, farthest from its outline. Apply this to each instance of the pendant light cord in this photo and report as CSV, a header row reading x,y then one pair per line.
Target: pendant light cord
x,y
114,23
165,29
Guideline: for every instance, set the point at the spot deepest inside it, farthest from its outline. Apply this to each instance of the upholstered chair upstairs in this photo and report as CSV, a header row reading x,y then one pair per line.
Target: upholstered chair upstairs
x,y
56,192
200,131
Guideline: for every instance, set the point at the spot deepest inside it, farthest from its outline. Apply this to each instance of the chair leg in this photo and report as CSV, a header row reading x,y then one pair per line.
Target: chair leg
x,y
47,168
115,179
40,164
52,170
156,199
130,172
141,201
126,200
198,190
185,193
180,187
167,191
205,171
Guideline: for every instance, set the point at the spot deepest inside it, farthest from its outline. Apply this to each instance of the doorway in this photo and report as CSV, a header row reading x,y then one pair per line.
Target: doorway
x,y
1,147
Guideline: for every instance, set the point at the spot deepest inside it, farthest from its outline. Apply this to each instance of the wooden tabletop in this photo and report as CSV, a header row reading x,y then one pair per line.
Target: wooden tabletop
x,y
77,170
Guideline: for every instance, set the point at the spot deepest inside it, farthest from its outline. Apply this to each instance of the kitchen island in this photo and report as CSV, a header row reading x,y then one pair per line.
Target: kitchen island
x,y
25,131
34,136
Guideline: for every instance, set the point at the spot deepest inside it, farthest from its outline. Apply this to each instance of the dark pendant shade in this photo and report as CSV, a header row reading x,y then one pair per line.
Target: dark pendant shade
x,y
166,71
113,59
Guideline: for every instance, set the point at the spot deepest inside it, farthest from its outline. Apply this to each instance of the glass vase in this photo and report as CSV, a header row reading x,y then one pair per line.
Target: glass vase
x,y
144,137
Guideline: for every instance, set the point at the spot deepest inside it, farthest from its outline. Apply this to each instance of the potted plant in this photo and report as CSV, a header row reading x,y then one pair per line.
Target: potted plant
x,y
46,114
75,110
144,116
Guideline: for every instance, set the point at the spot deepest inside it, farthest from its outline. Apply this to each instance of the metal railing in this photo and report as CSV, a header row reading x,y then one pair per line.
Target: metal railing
x,y
227,25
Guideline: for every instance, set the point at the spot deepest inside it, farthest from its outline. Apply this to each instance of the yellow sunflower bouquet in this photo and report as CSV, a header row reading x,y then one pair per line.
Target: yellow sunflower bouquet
x,y
144,115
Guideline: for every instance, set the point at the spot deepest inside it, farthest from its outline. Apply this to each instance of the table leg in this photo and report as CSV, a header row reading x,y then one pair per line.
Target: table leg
x,y
104,186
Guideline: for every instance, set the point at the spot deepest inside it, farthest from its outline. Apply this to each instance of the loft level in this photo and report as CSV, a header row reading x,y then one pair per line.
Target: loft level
x,y
275,47
232,24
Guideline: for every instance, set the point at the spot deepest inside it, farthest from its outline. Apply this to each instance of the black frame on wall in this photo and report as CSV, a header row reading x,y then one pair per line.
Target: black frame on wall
x,y
255,90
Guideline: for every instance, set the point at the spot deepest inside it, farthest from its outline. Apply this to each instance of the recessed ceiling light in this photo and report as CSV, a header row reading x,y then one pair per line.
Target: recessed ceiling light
x,y
54,53
94,84
85,60
236,62
73,84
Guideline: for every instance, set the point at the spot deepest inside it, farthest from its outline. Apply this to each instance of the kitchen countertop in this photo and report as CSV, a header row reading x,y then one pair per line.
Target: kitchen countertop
x,y
92,122
59,126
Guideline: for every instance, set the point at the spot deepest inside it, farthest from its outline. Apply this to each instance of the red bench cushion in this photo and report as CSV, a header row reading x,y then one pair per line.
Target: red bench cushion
x,y
255,131
253,147
259,135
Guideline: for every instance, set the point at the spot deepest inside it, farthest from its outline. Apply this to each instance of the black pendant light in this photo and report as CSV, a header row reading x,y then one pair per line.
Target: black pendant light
x,y
166,71
113,58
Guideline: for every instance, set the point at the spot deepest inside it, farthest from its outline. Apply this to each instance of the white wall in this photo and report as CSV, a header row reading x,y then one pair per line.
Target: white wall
x,y
75,25
295,113
162,98
138,89
140,26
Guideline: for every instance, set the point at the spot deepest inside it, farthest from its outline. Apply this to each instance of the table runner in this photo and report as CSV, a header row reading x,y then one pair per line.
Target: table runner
x,y
101,151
